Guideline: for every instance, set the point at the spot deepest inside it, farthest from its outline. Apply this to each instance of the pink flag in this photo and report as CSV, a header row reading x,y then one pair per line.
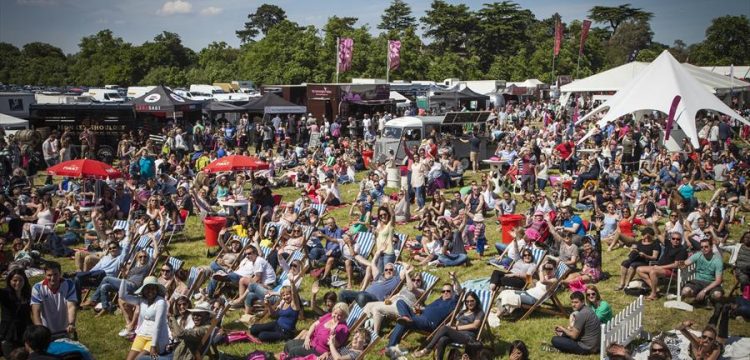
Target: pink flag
x,y
394,54
584,34
575,113
558,37
346,49
671,118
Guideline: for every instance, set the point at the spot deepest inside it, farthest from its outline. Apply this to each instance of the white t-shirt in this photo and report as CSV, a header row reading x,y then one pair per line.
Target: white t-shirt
x,y
54,305
262,266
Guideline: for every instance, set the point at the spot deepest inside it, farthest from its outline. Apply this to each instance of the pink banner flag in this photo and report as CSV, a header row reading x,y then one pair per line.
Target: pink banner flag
x,y
575,113
394,54
584,34
558,37
346,51
671,118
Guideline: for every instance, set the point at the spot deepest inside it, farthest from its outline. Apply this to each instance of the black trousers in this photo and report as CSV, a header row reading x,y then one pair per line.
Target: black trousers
x,y
448,335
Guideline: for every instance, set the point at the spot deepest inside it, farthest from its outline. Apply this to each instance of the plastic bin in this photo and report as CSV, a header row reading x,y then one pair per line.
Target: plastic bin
x,y
508,223
213,225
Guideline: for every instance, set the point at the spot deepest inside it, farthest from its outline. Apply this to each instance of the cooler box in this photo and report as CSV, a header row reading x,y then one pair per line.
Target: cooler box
x,y
213,225
508,222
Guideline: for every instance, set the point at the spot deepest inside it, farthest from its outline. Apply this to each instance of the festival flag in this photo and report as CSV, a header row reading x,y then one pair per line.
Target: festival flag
x,y
394,54
346,49
584,34
576,112
558,36
671,118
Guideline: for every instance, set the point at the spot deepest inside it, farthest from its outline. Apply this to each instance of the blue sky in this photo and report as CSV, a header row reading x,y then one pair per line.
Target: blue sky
x,y
64,22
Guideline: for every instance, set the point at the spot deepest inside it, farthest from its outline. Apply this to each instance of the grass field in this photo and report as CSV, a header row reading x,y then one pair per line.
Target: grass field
x,y
100,334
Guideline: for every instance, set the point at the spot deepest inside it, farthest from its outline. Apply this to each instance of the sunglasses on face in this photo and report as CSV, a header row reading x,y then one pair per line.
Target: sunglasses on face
x,y
388,270
446,291
658,350
707,337
591,294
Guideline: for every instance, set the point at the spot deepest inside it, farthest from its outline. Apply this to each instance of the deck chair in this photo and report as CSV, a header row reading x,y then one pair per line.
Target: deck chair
x,y
356,316
177,230
374,337
428,281
207,343
366,242
486,297
555,307
399,246
196,278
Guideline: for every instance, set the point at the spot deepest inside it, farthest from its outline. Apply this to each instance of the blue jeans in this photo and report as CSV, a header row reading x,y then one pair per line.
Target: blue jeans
x,y
169,356
568,345
419,195
215,266
481,242
500,247
109,284
234,278
317,253
88,279
541,183
385,259
361,297
419,323
254,292
452,260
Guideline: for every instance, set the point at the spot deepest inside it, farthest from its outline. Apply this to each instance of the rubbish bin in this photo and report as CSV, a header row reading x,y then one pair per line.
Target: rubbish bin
x,y
213,225
393,177
367,157
508,222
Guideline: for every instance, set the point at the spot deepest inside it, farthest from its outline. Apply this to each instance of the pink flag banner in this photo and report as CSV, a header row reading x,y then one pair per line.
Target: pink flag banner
x,y
558,37
394,54
346,52
584,34
576,113
671,118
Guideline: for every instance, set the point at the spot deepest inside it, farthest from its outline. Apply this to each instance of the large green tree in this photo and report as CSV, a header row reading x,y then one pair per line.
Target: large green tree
x,y
631,36
503,29
726,42
616,15
397,17
42,64
260,22
10,57
167,51
450,27
103,59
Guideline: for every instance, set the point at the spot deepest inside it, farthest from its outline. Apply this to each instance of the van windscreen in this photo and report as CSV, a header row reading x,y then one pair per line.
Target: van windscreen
x,y
392,132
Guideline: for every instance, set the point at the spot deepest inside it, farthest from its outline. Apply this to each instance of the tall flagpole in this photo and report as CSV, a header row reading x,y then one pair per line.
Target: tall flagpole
x,y
387,60
336,53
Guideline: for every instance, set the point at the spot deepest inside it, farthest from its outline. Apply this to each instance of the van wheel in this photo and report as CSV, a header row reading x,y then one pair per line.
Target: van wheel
x,y
105,154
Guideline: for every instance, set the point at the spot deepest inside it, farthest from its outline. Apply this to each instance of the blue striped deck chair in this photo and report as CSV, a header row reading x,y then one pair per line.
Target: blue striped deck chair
x,y
279,228
195,280
280,281
265,251
374,337
143,243
428,283
321,208
538,255
355,315
366,241
486,297
244,240
556,307
307,231
297,255
122,224
400,244
175,262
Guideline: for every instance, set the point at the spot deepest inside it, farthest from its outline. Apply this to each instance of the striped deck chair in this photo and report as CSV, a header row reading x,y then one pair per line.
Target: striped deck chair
x,y
175,262
321,208
366,241
356,314
556,307
398,246
143,243
177,229
265,251
122,224
538,255
307,231
196,278
374,337
428,282
486,297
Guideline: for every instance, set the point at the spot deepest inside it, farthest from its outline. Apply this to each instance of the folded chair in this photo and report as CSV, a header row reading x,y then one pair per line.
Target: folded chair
x,y
555,307
486,297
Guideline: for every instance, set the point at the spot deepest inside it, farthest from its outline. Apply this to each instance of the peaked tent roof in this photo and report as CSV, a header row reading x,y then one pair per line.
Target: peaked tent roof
x,y
162,99
655,88
12,122
221,107
617,78
273,104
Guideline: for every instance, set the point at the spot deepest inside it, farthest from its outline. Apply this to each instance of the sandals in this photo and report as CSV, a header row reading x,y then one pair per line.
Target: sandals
x,y
421,353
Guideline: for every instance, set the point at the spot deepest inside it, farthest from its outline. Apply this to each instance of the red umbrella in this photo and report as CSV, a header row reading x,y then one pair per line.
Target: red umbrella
x,y
236,163
84,168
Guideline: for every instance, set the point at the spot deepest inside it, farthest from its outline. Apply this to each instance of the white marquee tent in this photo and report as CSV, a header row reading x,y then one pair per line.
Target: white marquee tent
x,y
654,89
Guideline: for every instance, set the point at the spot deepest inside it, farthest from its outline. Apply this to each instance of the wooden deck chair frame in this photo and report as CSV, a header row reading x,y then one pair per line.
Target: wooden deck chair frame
x,y
178,230
561,273
486,306
373,339
400,246
430,280
207,341
356,316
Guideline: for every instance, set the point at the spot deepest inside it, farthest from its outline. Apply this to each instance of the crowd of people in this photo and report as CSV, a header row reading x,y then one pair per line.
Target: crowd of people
x,y
618,187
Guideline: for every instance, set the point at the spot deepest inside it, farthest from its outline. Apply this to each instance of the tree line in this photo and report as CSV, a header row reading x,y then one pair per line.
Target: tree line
x,y
500,40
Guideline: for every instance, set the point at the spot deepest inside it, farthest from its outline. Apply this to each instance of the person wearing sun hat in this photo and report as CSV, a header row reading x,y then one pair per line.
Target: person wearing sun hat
x,y
152,333
190,340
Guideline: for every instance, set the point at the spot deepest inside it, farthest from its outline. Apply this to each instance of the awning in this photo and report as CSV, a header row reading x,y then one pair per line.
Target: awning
x,y
373,102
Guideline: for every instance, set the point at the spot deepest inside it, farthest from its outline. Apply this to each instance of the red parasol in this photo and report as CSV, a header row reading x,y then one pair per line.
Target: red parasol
x,y
84,168
236,163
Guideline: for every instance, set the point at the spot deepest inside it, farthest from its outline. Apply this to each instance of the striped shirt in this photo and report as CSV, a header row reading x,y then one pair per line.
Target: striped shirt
x,y
54,305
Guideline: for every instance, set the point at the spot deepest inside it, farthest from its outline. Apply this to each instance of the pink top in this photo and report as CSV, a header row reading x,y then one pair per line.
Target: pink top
x,y
319,338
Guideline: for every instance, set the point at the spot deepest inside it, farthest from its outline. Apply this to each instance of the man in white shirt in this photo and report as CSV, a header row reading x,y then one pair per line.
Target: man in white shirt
x,y
261,280
366,122
50,150
54,303
276,121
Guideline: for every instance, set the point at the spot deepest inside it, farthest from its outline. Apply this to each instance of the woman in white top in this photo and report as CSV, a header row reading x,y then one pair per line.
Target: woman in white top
x,y
152,333
542,172
44,221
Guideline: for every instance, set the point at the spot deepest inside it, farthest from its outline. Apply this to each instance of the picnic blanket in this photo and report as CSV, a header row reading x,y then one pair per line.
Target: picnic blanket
x,y
736,347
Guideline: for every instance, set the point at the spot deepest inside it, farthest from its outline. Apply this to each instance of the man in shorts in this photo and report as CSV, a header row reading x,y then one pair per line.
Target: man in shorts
x,y
708,268
674,252
474,143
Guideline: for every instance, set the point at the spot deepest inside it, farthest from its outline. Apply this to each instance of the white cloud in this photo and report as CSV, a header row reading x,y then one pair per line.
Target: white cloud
x,y
175,7
211,11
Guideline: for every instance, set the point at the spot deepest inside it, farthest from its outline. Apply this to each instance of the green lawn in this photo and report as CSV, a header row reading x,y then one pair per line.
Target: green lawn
x,y
100,334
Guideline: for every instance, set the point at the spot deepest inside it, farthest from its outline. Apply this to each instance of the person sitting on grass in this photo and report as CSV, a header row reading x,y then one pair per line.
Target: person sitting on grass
x,y
708,274
674,252
601,308
583,337
285,313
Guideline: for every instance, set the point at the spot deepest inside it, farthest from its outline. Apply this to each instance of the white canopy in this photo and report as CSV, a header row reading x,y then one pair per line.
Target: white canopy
x,y
655,88
12,122
529,83
401,100
617,78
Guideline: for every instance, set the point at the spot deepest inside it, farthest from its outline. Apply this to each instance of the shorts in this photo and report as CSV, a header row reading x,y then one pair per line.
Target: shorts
x,y
698,286
473,156
668,273
141,343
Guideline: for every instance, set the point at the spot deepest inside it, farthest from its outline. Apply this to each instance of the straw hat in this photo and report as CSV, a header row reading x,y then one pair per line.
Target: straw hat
x,y
478,217
152,281
202,307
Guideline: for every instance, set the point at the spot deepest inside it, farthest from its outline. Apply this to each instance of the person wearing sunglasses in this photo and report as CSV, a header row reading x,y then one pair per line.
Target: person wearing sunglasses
x,y
658,350
383,284
518,275
133,275
674,252
708,274
431,316
708,346
378,310
462,331
108,265
594,300
510,300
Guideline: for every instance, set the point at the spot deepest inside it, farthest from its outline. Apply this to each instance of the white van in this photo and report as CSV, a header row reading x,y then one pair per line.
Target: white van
x,y
138,91
104,95
190,96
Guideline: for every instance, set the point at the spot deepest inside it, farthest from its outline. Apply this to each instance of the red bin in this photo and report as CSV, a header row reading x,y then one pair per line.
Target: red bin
x,y
213,225
508,223
568,184
367,157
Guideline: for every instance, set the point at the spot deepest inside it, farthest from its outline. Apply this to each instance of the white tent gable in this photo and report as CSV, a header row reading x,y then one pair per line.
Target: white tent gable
x,y
12,122
655,88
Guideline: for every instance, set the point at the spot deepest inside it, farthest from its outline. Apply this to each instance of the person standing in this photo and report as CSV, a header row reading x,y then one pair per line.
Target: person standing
x,y
51,150
54,303
474,143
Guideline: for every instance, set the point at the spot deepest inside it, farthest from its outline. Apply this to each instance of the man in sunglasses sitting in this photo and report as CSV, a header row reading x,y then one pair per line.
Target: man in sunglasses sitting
x,y
382,284
708,278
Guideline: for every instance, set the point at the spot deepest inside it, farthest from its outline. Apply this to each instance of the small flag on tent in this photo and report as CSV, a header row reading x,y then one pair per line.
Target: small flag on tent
x,y
346,49
394,54
584,34
558,36
671,118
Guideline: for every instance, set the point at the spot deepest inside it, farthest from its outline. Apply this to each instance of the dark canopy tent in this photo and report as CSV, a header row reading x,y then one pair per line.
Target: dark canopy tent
x,y
162,100
213,107
271,103
463,95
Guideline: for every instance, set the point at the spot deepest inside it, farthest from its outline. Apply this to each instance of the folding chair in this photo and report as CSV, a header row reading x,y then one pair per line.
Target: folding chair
x,y
196,278
321,208
486,298
428,281
400,244
177,229
356,314
366,241
207,343
556,307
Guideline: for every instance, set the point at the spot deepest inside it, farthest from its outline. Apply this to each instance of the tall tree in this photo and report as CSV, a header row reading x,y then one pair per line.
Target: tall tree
x,y
42,64
102,59
726,42
615,15
397,17
630,36
165,51
503,29
450,26
260,22
10,56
